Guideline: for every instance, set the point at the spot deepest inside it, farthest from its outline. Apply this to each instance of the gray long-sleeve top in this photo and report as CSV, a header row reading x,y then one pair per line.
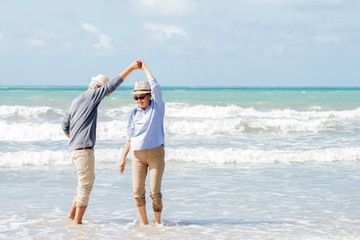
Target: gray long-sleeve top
x,y
81,117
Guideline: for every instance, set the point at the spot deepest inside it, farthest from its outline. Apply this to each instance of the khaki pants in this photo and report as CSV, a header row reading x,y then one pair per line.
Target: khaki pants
x,y
84,163
154,159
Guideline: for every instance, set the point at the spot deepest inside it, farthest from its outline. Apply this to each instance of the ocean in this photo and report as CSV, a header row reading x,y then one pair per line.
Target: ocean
x,y
241,163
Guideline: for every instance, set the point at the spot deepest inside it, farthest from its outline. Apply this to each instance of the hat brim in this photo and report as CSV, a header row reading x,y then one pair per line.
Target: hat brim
x,y
140,92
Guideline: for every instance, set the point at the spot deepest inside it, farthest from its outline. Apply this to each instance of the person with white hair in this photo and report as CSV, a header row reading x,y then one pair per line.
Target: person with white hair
x,y
145,136
79,124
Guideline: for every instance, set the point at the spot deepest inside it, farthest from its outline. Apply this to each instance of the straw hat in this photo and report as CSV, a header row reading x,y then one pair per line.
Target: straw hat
x,y
141,87
101,79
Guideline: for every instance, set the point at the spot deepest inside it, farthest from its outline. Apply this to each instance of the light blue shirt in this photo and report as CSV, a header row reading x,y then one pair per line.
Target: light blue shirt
x,y
146,128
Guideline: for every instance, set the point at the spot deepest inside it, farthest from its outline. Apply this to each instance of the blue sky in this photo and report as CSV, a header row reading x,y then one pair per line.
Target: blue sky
x,y
184,42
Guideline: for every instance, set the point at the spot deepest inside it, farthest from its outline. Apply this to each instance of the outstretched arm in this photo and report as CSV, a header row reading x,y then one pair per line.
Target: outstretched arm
x,y
109,87
155,88
134,65
147,71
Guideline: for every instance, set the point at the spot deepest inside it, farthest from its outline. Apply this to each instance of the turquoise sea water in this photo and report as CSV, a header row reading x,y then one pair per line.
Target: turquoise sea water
x,y
241,163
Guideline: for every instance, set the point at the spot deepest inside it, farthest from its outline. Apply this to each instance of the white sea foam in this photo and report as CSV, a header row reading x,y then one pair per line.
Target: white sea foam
x,y
117,130
47,157
30,132
182,119
235,126
53,132
183,110
26,112
231,155
199,155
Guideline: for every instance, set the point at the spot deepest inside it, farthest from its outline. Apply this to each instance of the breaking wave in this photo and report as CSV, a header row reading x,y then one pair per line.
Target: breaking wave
x,y
180,119
198,155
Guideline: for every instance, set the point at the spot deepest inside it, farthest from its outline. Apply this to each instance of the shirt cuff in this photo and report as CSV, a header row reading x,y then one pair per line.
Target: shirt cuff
x,y
153,82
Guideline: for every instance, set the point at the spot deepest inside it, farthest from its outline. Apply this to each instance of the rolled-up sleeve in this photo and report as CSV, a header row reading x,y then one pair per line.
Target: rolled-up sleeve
x,y
157,95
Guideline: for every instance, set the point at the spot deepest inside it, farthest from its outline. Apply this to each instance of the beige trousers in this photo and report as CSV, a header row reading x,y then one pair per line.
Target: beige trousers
x,y
153,159
84,163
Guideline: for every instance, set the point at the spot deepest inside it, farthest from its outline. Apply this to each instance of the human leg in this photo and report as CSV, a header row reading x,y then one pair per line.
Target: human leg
x,y
157,216
143,215
72,211
156,169
84,163
79,215
139,172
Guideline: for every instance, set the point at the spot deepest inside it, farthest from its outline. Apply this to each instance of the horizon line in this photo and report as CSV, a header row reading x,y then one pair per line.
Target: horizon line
x,y
201,86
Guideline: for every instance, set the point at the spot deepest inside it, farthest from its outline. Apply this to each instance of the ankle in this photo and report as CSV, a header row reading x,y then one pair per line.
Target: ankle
x,y
157,216
77,221
144,221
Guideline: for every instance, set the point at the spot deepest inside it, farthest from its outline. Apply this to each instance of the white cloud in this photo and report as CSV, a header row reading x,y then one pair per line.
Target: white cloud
x,y
327,39
165,7
104,40
33,42
91,28
165,30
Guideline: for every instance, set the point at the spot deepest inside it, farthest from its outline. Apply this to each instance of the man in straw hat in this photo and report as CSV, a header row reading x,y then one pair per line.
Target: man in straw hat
x,y
79,124
146,138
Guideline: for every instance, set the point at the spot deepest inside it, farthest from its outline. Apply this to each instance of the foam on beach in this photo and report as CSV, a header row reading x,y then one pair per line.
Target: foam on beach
x,y
33,124
196,155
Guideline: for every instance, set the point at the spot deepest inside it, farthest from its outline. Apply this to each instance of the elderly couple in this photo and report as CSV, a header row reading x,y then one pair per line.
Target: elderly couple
x,y
145,135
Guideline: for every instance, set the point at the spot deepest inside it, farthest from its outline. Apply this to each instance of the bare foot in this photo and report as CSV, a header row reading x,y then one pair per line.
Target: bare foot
x,y
79,215
77,222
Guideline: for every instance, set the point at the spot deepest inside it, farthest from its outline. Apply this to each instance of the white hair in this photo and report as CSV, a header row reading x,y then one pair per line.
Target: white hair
x,y
94,84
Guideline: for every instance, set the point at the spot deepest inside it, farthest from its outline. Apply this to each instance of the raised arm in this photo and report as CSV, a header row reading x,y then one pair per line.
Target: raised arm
x,y
155,87
147,71
134,65
109,87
